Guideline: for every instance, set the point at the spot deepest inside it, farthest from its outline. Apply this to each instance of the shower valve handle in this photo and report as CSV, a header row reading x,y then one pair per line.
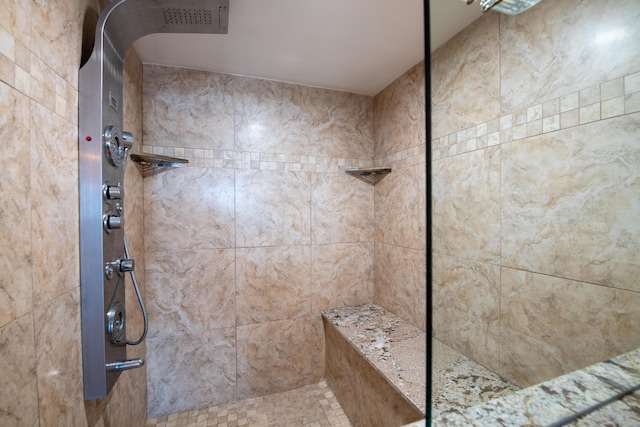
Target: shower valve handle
x,y
126,265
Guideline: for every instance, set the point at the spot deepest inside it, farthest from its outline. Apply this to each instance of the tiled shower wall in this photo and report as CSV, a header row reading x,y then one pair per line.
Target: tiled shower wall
x,y
260,233
400,219
40,340
536,188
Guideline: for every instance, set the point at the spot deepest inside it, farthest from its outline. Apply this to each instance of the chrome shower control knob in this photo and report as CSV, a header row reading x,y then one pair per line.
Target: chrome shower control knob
x,y
113,222
113,192
127,140
114,145
126,265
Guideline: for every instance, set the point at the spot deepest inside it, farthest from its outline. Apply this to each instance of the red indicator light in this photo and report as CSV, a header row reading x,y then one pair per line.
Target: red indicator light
x,y
88,138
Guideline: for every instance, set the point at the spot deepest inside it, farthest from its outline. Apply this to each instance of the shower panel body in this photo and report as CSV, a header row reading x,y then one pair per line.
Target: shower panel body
x,y
103,148
101,220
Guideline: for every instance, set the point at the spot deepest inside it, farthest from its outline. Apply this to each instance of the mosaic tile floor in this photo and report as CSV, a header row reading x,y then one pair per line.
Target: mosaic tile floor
x,y
314,406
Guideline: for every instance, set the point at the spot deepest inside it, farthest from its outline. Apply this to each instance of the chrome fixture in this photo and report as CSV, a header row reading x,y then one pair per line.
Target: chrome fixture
x,y
151,164
369,175
103,150
509,7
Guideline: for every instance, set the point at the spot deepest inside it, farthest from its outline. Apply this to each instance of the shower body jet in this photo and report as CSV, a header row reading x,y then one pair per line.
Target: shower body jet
x,y
103,148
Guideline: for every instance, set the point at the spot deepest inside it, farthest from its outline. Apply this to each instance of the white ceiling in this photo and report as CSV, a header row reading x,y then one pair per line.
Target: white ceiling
x,y
356,46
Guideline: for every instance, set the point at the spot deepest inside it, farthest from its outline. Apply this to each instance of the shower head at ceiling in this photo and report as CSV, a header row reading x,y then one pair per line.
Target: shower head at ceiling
x,y
509,7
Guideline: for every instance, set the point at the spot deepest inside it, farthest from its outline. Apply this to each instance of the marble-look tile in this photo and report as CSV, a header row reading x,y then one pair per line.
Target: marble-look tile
x,y
15,227
18,388
465,78
466,307
59,361
272,208
173,383
54,204
277,356
400,208
341,123
56,35
541,312
570,203
190,291
399,113
272,283
187,108
189,208
538,46
342,209
466,205
400,282
271,117
16,18
342,275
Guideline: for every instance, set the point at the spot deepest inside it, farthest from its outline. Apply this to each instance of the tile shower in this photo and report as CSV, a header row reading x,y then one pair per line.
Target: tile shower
x,y
525,298
263,230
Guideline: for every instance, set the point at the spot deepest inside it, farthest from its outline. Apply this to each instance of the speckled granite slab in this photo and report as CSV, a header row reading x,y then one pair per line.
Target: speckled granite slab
x,y
394,347
559,398
458,382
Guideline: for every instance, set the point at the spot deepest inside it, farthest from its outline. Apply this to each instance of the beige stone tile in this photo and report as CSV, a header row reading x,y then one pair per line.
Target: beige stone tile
x,y
466,307
466,206
59,361
54,186
192,295
612,89
277,356
16,18
271,117
173,383
341,123
465,77
342,275
400,282
399,113
272,283
15,226
570,203
187,108
400,216
56,36
551,326
272,208
530,64
342,209
189,208
18,388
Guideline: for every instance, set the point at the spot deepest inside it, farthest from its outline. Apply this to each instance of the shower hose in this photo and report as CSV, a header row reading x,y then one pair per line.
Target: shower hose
x,y
140,302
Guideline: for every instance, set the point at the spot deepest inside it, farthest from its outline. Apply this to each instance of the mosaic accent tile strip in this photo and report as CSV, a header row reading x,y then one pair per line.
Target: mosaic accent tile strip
x,y
313,406
225,159
26,72
404,158
612,98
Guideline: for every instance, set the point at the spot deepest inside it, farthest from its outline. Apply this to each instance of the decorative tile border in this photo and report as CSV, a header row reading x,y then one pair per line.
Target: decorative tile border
x,y
225,159
404,158
599,102
24,71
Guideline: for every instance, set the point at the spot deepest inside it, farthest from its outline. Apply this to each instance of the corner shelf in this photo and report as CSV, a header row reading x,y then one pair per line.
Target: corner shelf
x,y
152,164
369,175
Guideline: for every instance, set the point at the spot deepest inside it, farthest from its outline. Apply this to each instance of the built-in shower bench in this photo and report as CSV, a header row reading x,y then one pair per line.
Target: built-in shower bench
x,y
375,365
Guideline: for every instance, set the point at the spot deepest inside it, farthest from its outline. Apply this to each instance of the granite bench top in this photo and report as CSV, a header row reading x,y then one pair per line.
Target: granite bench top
x,y
394,347
558,399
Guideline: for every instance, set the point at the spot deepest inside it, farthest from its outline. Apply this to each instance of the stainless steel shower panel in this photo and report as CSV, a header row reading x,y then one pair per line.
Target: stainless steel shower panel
x,y
103,149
